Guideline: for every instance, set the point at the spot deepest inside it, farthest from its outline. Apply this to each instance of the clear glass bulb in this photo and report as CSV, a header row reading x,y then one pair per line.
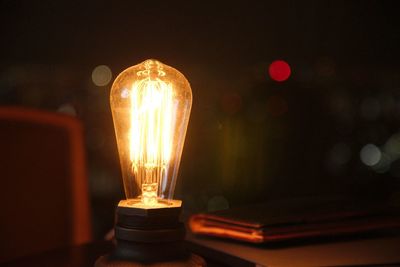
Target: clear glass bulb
x,y
151,104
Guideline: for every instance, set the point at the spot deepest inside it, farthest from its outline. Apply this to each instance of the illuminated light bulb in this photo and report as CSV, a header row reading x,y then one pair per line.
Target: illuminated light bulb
x,y
151,104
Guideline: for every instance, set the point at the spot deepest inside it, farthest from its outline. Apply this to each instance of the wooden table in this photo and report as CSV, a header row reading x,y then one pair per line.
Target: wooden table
x,y
76,256
372,250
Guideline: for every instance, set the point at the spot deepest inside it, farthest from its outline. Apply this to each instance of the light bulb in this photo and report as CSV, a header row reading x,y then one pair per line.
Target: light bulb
x,y
150,104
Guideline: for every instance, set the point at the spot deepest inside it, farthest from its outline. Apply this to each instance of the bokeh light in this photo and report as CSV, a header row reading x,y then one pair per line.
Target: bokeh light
x,y
370,155
68,109
279,70
101,75
383,164
392,146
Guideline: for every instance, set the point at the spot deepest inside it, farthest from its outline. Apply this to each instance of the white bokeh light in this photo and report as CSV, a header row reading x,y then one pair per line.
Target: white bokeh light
x,y
101,75
68,109
370,155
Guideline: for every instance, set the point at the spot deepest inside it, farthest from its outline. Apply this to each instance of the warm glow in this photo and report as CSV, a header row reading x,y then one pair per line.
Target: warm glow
x,y
151,105
150,134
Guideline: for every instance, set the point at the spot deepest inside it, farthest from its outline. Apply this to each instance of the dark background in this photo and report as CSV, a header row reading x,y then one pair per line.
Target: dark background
x,y
332,128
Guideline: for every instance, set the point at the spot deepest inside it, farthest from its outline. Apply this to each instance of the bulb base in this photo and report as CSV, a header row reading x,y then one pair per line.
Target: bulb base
x,y
132,214
149,236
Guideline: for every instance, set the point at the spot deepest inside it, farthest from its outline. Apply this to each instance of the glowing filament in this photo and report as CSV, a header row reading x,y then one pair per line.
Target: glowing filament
x,y
150,135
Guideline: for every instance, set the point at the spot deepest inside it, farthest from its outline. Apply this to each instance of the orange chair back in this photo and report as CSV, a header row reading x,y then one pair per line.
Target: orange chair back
x,y
44,202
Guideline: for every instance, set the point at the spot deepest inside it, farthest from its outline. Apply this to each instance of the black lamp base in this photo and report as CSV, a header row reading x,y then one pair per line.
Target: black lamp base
x,y
149,237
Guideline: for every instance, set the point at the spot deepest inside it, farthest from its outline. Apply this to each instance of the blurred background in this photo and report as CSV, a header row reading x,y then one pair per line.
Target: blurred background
x,y
290,98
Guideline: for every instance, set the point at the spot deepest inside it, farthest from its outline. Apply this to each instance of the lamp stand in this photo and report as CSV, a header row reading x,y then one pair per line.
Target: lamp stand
x,y
149,237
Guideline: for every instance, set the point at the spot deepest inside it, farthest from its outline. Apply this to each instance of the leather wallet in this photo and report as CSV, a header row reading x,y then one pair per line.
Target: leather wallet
x,y
295,219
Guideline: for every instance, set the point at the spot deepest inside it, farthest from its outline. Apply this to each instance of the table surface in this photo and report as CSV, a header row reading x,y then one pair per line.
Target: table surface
x,y
75,256
372,251
357,250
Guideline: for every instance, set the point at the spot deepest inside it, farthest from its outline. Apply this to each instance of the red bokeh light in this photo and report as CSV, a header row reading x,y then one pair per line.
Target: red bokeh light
x,y
279,70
